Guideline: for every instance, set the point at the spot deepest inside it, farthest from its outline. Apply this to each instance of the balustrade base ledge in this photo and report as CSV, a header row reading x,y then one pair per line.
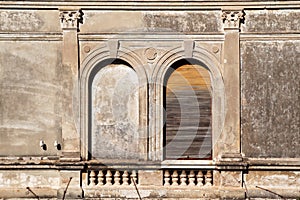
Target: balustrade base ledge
x,y
187,192
155,192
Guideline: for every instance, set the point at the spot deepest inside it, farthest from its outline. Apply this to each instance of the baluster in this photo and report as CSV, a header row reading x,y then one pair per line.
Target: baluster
x,y
92,178
125,178
183,178
117,178
175,178
167,178
200,178
100,178
191,178
133,177
208,178
108,177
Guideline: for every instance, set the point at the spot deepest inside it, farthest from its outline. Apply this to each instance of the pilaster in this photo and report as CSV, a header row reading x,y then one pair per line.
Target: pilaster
x,y
230,149
70,20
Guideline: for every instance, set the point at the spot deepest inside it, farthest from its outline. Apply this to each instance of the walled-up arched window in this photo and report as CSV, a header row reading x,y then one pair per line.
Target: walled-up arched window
x,y
188,105
114,112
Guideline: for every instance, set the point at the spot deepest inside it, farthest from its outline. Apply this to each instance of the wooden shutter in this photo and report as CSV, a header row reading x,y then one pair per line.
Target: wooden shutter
x,y
188,113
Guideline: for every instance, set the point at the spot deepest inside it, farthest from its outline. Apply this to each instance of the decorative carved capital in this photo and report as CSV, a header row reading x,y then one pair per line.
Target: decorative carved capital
x,y
232,18
70,19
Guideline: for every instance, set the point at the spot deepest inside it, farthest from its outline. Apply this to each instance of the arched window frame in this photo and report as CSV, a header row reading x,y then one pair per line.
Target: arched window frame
x,y
101,57
208,60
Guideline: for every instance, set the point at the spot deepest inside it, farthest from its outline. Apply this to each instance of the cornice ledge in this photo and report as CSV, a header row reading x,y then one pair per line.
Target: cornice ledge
x,y
149,4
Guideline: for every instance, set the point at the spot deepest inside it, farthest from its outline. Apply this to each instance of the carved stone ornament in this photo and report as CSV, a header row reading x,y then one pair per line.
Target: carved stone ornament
x,y
70,19
150,53
232,19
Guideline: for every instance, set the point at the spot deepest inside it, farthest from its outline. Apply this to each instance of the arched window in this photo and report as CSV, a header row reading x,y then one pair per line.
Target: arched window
x,y
188,105
114,112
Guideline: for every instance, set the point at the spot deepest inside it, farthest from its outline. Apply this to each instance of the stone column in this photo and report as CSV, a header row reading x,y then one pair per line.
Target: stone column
x,y
231,138
229,165
70,120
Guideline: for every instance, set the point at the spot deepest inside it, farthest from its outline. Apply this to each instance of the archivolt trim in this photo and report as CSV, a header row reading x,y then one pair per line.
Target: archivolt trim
x,y
173,55
103,53
218,97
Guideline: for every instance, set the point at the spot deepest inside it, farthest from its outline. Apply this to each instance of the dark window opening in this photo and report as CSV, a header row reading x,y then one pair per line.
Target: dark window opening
x,y
187,103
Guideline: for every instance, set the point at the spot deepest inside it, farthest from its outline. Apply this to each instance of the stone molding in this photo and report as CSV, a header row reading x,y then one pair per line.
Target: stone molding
x,y
232,18
151,5
70,19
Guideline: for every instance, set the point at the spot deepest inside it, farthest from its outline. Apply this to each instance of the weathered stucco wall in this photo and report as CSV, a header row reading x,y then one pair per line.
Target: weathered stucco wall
x,y
29,178
30,82
29,21
271,21
30,98
270,98
273,179
139,21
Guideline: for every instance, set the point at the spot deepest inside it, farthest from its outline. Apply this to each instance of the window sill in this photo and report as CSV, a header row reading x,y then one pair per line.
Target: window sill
x,y
189,164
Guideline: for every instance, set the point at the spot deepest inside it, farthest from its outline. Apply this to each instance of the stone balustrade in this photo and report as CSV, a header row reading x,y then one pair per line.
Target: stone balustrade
x,y
112,177
188,178
171,177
